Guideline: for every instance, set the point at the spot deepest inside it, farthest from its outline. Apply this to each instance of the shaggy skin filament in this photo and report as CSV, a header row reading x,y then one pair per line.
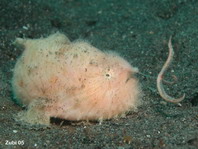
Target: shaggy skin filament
x,y
160,87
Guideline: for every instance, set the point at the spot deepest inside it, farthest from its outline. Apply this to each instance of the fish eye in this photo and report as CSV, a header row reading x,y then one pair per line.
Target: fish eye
x,y
107,75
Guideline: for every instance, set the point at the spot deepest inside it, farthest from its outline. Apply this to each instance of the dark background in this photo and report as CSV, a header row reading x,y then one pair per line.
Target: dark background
x,y
137,29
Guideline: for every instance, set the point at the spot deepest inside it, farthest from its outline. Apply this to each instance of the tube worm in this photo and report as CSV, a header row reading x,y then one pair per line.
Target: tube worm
x,y
160,87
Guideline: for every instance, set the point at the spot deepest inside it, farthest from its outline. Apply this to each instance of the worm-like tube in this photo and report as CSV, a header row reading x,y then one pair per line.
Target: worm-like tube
x,y
160,87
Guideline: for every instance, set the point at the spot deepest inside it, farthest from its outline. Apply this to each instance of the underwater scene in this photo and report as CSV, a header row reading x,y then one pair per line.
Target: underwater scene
x,y
100,74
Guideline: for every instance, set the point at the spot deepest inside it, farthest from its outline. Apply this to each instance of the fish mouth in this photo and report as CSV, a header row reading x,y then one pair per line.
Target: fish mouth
x,y
127,80
130,75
